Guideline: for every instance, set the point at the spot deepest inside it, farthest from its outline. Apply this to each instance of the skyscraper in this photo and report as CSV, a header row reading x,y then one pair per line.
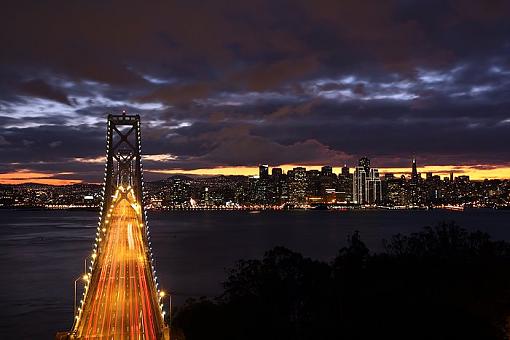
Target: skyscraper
x,y
365,163
414,172
276,172
345,170
366,184
344,185
374,187
278,186
359,185
263,171
326,170
298,184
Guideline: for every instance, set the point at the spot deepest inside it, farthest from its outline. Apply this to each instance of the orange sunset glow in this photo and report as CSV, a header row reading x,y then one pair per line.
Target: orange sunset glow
x,y
20,177
474,172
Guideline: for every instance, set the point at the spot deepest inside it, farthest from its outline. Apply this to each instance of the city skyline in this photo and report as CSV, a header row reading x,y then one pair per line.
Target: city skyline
x,y
365,187
480,172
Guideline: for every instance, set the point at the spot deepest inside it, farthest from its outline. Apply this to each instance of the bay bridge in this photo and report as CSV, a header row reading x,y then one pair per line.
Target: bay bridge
x,y
121,298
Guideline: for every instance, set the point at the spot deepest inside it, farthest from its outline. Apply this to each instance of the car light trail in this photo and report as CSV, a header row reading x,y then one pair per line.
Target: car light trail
x,y
122,301
121,297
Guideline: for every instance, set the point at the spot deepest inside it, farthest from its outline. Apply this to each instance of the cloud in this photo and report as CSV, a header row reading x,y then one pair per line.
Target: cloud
x,y
180,94
4,141
264,77
159,158
27,176
230,146
262,81
39,88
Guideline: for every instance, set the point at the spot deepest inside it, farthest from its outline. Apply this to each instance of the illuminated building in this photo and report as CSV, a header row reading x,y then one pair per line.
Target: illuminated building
x,y
367,188
179,192
313,184
415,189
345,171
279,189
414,172
344,186
298,183
298,187
359,182
374,188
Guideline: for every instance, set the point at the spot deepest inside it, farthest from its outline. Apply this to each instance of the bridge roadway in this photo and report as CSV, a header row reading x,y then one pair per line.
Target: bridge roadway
x,y
122,300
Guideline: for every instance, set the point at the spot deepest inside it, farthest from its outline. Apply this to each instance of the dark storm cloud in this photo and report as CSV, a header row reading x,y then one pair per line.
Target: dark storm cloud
x,y
51,143
219,83
39,88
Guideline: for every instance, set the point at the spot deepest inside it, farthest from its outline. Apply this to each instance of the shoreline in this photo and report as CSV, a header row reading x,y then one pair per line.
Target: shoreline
x,y
259,209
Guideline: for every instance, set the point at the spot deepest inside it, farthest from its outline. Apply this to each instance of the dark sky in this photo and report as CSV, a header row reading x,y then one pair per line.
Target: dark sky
x,y
237,83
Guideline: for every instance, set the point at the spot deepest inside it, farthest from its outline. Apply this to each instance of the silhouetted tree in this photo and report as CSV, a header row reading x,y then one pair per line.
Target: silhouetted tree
x,y
440,283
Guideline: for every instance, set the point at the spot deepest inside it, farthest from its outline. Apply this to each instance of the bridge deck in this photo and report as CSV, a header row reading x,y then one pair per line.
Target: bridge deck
x,y
122,301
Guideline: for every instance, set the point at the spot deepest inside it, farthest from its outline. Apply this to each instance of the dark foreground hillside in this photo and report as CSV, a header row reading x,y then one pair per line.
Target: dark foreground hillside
x,y
441,283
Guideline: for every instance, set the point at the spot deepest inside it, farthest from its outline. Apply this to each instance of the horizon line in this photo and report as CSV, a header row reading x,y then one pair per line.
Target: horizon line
x,y
475,172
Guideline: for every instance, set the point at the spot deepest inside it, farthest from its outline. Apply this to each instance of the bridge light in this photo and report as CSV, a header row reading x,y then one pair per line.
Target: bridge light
x,y
85,277
162,294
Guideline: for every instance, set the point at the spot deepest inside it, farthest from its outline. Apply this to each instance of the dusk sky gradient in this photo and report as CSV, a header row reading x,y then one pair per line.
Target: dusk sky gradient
x,y
234,84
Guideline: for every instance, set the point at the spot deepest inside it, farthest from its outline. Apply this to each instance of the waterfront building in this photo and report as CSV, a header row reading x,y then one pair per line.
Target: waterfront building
x,y
298,184
367,188
374,187
359,185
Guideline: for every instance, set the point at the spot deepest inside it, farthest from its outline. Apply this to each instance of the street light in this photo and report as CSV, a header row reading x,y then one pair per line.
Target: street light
x,y
162,294
84,277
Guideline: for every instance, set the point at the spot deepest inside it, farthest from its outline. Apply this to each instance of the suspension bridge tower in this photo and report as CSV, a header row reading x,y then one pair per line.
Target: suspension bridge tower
x,y
121,298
